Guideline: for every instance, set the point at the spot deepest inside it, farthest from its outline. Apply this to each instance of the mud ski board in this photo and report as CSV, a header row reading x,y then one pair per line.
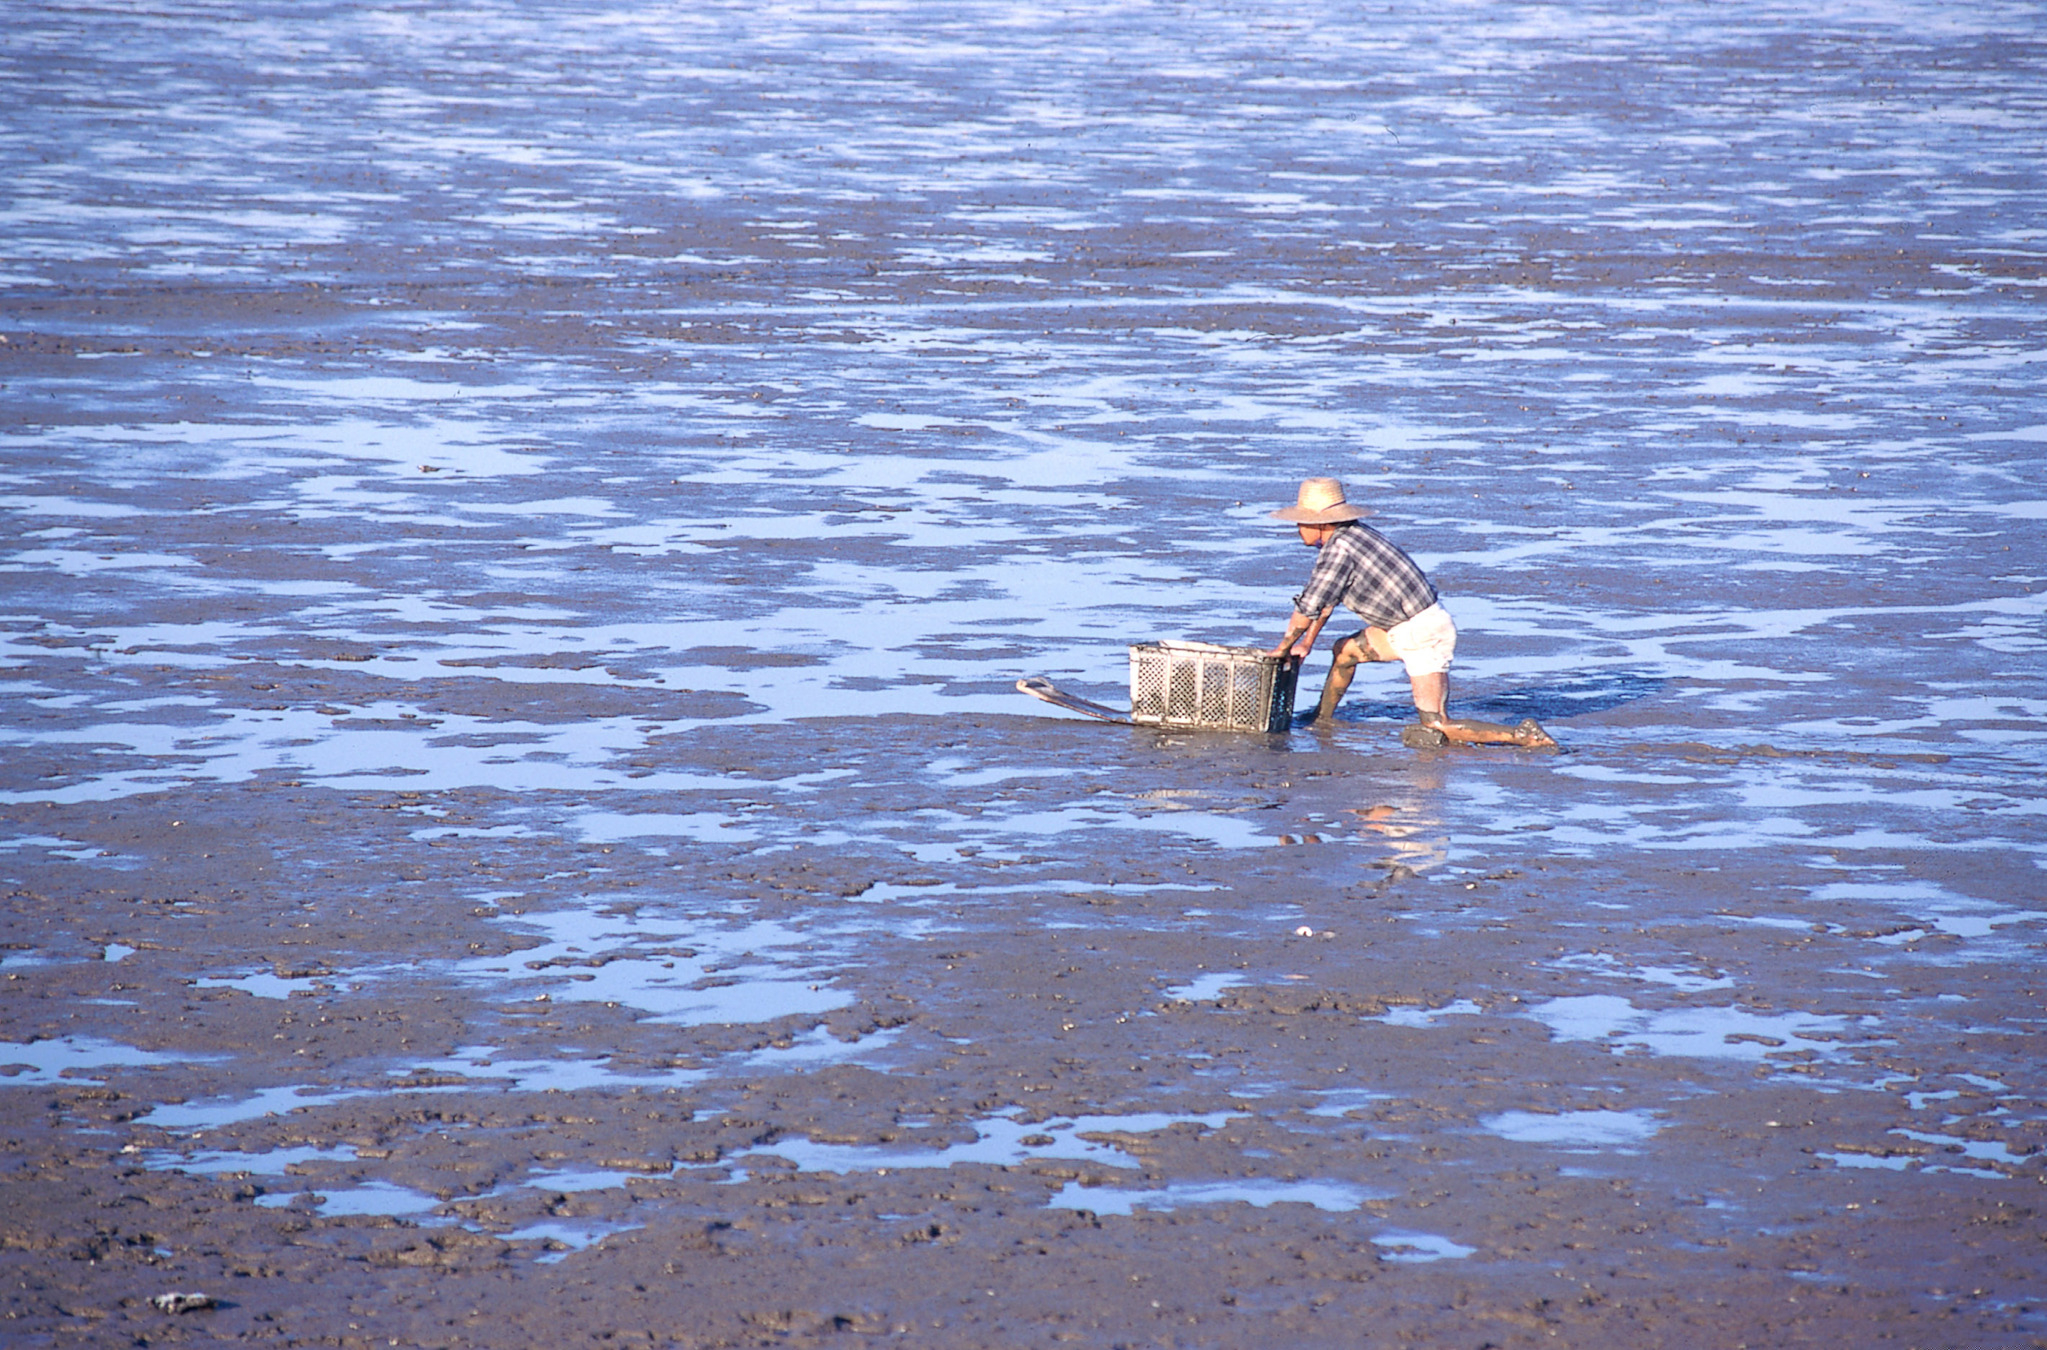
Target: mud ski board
x,y
1038,687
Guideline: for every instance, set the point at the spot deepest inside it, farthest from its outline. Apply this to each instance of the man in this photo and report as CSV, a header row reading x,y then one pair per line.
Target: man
x,y
1361,568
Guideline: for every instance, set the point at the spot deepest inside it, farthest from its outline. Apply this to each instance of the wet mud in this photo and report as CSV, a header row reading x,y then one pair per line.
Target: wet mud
x,y
523,525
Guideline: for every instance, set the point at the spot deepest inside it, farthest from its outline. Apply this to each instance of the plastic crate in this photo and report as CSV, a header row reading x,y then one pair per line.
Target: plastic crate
x,y
1201,684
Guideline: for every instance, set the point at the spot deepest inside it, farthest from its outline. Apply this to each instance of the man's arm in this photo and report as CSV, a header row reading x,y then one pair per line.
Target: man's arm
x,y
1307,629
1316,602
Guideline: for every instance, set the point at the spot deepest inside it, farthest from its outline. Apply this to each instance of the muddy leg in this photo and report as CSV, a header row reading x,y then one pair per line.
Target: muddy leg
x,y
1368,645
1342,665
1528,733
1432,697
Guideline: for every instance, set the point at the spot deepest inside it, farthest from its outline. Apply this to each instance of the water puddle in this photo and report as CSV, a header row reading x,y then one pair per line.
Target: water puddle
x,y
1204,988
999,1140
965,773
1603,963
1406,1016
372,1197
576,1181
2005,1163
78,1059
570,1235
223,1162
68,849
267,984
214,1113
1580,1131
1936,909
486,1066
1890,1163
690,970
819,1046
387,744
1980,1150
1340,1102
1705,1033
920,893
704,827
1220,831
1398,1245
1335,1197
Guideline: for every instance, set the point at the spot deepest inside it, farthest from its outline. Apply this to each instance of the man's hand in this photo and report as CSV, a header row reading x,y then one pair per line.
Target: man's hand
x,y
1305,646
1287,644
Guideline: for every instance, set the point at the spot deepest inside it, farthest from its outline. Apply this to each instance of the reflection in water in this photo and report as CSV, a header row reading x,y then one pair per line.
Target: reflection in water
x,y
1408,836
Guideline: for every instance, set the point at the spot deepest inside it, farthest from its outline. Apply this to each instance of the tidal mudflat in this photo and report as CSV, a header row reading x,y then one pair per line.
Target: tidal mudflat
x,y
522,522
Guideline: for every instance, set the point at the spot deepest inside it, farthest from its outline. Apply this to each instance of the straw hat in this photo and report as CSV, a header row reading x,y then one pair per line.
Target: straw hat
x,y
1320,503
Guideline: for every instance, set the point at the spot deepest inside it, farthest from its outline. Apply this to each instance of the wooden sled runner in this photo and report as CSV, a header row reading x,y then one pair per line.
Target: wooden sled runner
x,y
1193,684
1038,687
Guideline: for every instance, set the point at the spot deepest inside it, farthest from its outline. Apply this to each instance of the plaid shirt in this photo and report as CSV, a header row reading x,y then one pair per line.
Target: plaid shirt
x,y
1363,569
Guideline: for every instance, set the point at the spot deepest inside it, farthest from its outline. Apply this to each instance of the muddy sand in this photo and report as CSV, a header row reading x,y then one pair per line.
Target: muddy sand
x,y
522,524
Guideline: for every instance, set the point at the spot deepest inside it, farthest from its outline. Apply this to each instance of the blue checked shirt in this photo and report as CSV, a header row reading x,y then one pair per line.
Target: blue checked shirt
x,y
1361,568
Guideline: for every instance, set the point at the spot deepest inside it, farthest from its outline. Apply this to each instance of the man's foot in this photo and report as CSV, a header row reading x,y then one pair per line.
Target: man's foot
x,y
1530,734
1415,736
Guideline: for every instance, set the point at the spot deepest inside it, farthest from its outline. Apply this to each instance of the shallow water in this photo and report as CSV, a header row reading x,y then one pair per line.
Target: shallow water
x,y
991,484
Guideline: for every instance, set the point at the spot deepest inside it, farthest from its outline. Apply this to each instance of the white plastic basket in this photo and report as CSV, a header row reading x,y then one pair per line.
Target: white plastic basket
x,y
1201,684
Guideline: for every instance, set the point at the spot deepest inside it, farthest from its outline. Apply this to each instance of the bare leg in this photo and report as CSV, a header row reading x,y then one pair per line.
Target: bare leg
x,y
1347,655
1343,664
1432,697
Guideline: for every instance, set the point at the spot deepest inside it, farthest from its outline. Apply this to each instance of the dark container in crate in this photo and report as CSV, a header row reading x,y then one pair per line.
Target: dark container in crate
x,y
1202,684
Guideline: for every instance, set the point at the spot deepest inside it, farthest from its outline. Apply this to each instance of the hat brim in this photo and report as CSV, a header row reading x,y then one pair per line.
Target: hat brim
x,y
1328,515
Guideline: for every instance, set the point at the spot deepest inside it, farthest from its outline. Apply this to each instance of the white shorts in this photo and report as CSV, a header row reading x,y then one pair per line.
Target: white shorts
x,y
1424,643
